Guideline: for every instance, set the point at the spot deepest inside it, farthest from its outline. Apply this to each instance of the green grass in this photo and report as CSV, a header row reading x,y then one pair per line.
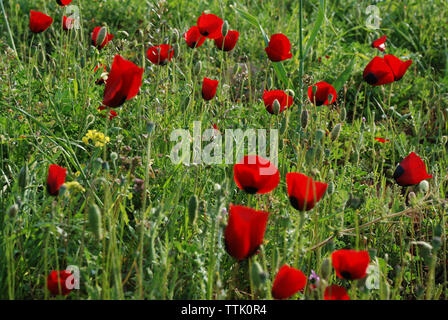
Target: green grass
x,y
151,248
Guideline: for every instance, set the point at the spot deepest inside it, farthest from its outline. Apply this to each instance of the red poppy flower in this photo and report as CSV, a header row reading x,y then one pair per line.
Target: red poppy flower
x,y
209,87
303,191
245,231
379,43
39,21
378,72
210,25
288,282
67,23
55,179
270,96
382,140
123,83
63,2
57,282
254,174
161,54
350,264
279,48
193,37
229,41
397,66
100,37
322,93
112,113
336,292
411,171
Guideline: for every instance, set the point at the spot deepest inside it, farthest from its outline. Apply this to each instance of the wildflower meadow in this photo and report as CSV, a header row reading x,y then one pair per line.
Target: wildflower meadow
x,y
223,150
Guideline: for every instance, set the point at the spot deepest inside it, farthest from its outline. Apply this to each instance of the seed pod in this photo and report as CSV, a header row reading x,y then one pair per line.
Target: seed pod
x,y
325,268
197,68
334,135
193,209
23,177
276,107
343,114
304,117
95,221
225,28
423,186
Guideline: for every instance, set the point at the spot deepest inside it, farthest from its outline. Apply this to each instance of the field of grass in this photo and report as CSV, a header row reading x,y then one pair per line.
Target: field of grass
x,y
153,244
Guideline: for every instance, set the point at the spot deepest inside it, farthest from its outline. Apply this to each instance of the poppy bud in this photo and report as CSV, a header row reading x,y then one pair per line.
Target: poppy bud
x,y
444,139
304,118
95,221
225,28
13,210
411,197
319,134
290,92
193,209
197,68
258,275
325,268
330,188
423,186
101,36
335,132
276,106
114,156
343,114
23,177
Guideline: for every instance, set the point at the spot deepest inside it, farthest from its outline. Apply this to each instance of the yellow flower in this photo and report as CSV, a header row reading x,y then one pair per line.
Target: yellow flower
x,y
74,186
98,139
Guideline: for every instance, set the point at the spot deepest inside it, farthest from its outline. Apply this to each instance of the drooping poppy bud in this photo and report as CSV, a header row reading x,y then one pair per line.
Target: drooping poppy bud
x,y
254,174
123,83
245,231
411,171
288,282
39,21
279,48
63,2
210,25
55,179
270,96
193,37
209,87
57,282
397,66
303,191
100,37
335,292
161,54
350,264
380,43
320,93
67,23
378,72
228,42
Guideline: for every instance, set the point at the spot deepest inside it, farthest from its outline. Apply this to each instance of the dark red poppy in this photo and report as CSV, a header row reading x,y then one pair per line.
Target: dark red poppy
x,y
350,264
380,43
55,179
57,282
279,48
254,174
161,54
270,96
227,43
193,37
382,140
245,231
210,25
322,93
378,72
123,83
112,113
39,21
288,282
100,37
303,191
67,23
63,2
100,81
397,66
411,171
336,292
209,87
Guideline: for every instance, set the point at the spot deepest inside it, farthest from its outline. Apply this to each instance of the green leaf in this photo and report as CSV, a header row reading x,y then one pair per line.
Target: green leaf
x,y
343,77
